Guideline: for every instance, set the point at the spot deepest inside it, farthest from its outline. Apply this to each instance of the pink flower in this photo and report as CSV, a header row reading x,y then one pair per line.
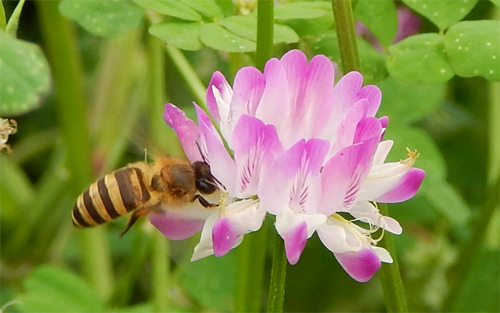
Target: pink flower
x,y
304,150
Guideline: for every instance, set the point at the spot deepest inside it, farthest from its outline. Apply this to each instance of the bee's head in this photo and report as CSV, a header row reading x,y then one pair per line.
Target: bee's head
x,y
205,182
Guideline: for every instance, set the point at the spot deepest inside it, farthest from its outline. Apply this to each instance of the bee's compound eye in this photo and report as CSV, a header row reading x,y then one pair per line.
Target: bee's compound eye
x,y
205,187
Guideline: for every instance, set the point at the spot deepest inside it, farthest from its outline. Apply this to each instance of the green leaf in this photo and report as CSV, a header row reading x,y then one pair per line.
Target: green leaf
x,y
430,159
13,23
372,61
25,76
183,35
246,27
449,203
103,18
473,48
496,2
208,8
481,290
310,27
51,289
170,8
419,59
210,281
302,10
442,13
15,188
217,37
407,103
380,18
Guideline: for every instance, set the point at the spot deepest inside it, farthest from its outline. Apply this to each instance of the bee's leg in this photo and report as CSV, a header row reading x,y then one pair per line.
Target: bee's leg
x,y
134,217
204,201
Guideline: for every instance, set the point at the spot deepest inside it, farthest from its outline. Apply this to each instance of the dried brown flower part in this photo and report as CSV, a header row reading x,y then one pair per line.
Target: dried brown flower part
x,y
7,127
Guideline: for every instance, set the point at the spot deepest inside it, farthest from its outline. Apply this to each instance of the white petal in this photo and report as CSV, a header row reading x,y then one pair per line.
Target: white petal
x,y
383,254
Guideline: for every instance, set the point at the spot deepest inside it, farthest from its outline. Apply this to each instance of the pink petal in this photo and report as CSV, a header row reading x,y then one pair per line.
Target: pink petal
x,y
186,130
248,87
360,265
219,109
368,128
175,227
255,147
342,176
406,189
223,237
293,178
275,101
311,91
293,229
222,166
373,95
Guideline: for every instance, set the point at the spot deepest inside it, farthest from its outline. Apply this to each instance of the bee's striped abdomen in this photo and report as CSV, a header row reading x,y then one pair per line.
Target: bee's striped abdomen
x,y
110,197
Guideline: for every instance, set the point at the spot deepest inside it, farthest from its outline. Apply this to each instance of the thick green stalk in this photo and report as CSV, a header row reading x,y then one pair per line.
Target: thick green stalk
x,y
265,30
346,34
3,20
250,258
156,98
161,271
390,277
187,72
278,275
60,44
470,250
252,252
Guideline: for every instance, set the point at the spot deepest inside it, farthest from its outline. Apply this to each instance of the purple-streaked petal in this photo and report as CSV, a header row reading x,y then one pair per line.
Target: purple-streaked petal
x,y
186,130
343,174
293,179
218,97
255,147
406,189
360,265
311,91
222,166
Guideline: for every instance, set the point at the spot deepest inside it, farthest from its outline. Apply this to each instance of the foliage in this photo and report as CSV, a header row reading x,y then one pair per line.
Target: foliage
x,y
440,91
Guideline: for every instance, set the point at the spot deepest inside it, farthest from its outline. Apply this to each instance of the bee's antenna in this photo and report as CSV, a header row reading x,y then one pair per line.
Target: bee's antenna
x,y
208,163
201,153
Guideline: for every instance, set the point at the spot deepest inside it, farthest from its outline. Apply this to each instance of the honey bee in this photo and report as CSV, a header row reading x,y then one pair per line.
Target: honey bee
x,y
142,188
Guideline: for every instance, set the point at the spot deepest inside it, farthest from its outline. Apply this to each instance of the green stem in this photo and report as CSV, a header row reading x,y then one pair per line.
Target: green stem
x,y
252,253
346,34
265,25
251,256
161,271
188,73
3,20
60,43
390,277
278,275
470,250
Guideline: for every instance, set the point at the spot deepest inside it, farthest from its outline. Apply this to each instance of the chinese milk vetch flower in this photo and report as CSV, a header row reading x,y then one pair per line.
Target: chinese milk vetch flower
x,y
306,150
